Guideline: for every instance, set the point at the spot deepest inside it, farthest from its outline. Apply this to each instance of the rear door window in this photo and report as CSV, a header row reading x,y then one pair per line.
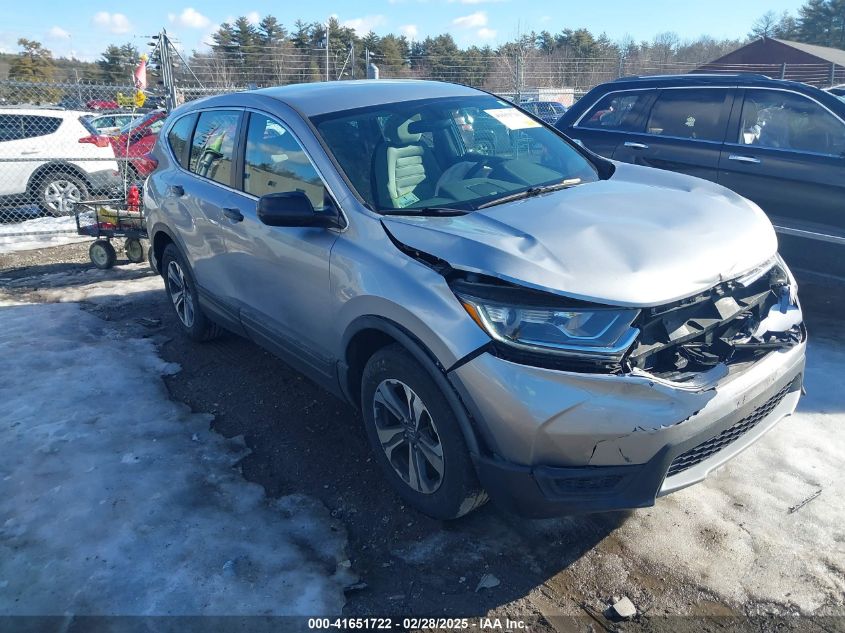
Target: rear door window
x,y
694,113
213,145
615,111
11,128
179,136
789,121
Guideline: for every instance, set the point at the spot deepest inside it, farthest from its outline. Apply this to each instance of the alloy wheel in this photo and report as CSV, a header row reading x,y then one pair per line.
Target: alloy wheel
x,y
408,436
180,294
61,195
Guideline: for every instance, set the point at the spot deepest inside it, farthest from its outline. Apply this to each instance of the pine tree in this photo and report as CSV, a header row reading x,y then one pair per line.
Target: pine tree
x,y
117,63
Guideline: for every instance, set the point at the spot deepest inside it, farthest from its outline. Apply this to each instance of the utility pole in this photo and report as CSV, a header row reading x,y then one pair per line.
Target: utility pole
x,y
328,27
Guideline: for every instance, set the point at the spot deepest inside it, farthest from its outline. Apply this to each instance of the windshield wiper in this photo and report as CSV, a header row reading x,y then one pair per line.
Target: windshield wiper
x,y
427,211
531,192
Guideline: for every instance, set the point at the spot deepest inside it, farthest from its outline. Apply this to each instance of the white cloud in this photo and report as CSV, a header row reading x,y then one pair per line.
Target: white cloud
x,y
409,30
115,22
545,19
476,1
253,17
366,23
58,33
190,18
471,21
486,34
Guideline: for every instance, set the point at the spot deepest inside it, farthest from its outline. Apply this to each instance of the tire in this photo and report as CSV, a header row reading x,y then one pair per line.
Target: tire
x,y
151,260
102,254
182,290
425,458
56,192
134,250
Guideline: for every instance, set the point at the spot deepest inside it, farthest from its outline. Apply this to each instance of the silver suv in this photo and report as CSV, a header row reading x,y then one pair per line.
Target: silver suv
x,y
534,323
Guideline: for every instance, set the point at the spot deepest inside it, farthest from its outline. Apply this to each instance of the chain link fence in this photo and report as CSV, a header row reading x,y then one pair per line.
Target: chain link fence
x,y
62,143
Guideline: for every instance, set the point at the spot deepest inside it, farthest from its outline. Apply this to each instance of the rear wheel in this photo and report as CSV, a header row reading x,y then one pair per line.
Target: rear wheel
x,y
182,291
58,193
415,436
134,250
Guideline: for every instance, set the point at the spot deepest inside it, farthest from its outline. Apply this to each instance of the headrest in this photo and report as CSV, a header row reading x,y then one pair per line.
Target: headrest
x,y
396,130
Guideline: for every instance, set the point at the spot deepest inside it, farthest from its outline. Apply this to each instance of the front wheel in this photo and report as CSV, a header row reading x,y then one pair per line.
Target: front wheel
x,y
415,436
102,254
182,291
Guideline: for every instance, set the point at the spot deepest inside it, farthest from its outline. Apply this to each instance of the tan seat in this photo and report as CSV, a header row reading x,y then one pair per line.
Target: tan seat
x,y
404,169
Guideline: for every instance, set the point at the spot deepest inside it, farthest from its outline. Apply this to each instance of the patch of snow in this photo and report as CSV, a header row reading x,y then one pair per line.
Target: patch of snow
x,y
733,533
115,500
39,233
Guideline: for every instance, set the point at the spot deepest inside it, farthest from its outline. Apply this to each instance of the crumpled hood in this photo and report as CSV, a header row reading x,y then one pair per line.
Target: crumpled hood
x,y
644,237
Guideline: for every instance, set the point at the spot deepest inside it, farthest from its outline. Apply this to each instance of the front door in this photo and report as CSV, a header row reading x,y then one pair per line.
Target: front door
x,y
282,280
788,156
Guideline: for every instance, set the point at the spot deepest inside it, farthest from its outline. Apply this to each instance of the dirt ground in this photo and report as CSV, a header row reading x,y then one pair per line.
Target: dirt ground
x,y
408,564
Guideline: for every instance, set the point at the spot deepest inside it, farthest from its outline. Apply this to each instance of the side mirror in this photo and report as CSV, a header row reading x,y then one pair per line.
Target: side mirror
x,y
291,208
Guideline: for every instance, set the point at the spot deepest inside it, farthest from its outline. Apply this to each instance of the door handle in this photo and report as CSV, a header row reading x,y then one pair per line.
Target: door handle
x,y
28,152
633,145
233,214
176,190
744,159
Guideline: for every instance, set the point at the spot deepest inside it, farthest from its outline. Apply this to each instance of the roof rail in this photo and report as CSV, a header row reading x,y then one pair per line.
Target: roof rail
x,y
696,75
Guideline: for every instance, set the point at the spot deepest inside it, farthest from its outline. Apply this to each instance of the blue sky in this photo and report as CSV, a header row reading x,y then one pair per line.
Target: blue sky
x,y
86,27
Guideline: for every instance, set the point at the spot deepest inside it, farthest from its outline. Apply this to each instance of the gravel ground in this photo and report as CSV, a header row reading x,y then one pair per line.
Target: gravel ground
x,y
409,565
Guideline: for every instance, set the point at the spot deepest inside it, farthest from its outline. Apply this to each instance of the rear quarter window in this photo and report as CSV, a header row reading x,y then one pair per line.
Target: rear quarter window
x,y
34,126
179,137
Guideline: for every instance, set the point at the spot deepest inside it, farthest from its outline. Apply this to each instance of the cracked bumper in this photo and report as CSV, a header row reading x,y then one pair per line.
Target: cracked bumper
x,y
566,442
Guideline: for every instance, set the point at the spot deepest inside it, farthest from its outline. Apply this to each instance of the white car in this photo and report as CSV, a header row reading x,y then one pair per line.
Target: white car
x,y
111,124
43,162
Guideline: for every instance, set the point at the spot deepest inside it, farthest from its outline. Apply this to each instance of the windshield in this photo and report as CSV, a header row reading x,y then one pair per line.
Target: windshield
x,y
455,153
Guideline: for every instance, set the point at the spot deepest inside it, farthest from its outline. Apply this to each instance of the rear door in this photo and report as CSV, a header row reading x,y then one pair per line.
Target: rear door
x,y
684,131
194,200
14,174
280,275
609,121
787,154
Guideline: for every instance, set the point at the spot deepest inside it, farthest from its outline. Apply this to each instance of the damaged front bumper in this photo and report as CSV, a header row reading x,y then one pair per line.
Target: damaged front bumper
x,y
563,442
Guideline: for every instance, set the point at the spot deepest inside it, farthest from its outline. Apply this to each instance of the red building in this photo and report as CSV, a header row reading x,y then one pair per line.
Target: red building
x,y
782,59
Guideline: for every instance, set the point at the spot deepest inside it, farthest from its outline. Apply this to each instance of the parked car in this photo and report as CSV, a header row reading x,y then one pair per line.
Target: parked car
x,y
839,91
778,143
547,111
102,104
549,328
133,144
42,162
109,124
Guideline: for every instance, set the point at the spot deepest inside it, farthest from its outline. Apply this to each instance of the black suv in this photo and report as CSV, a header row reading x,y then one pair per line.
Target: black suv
x,y
778,143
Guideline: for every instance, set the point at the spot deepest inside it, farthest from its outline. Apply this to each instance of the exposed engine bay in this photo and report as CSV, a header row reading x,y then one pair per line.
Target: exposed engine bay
x,y
736,321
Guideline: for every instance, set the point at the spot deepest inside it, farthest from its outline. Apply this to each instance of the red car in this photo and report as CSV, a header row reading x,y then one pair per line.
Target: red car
x,y
101,104
133,143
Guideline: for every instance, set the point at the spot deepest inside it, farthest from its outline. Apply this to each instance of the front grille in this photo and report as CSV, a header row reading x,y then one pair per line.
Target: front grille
x,y
712,446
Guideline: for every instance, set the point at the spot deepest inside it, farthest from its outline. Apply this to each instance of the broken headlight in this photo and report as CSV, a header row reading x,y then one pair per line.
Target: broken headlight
x,y
589,333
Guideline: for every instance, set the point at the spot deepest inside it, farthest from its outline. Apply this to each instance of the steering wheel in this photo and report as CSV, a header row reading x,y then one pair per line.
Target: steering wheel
x,y
463,170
